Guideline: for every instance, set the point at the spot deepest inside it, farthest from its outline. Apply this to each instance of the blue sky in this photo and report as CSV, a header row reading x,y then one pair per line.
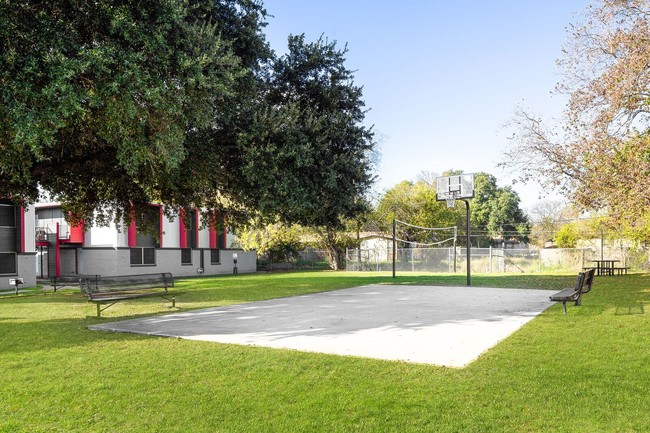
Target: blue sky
x,y
441,78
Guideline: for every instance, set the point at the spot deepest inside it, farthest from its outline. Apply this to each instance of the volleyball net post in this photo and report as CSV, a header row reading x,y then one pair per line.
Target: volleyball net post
x,y
394,244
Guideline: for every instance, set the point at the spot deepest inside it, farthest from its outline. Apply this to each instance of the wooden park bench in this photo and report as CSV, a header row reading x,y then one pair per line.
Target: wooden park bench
x,y
574,294
68,280
109,290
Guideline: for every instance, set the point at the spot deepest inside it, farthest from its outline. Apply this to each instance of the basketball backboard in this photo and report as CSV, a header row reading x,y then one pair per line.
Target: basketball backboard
x,y
455,187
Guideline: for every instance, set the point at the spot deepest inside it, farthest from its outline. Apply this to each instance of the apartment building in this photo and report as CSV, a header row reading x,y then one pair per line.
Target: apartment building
x,y
182,246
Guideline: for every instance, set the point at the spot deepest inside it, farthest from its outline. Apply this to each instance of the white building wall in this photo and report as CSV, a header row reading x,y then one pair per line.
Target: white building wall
x,y
122,237
171,232
204,238
101,236
30,222
232,241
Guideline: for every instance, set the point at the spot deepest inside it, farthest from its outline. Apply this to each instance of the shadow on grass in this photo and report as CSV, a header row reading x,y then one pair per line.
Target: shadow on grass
x,y
19,337
630,309
617,296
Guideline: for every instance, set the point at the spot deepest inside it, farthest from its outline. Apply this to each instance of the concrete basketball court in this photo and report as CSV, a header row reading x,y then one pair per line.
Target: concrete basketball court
x,y
446,326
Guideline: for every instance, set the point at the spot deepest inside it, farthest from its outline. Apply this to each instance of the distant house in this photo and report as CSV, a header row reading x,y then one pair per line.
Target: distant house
x,y
17,248
375,246
184,248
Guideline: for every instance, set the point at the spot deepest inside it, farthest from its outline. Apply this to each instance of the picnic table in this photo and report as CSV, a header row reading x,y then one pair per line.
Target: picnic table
x,y
605,267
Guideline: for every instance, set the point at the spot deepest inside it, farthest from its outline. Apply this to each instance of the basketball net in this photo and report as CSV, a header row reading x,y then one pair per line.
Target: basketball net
x,y
451,198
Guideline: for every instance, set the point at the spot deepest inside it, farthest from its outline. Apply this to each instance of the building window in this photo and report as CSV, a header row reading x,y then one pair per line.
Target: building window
x,y
190,230
7,215
142,256
215,257
8,237
7,263
186,256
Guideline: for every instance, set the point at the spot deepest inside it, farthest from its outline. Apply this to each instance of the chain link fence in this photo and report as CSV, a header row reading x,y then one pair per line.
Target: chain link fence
x,y
483,260
307,259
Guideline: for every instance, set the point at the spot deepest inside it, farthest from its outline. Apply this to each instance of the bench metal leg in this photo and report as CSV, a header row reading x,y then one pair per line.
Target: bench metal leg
x,y
564,307
99,309
170,299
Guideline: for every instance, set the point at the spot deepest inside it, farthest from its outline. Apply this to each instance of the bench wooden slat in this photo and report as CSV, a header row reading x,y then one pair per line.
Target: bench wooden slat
x,y
570,294
119,296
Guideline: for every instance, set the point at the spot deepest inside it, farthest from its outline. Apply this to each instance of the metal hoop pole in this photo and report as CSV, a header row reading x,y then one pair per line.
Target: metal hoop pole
x,y
394,246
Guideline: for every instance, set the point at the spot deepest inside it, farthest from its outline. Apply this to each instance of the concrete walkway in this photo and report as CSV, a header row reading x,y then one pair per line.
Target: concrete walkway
x,y
447,326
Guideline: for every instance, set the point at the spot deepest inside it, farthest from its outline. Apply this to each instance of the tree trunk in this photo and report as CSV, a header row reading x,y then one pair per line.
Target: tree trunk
x,y
334,254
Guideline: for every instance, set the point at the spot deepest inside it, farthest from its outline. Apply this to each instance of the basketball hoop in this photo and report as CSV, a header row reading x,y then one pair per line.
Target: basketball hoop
x,y
450,188
454,188
450,198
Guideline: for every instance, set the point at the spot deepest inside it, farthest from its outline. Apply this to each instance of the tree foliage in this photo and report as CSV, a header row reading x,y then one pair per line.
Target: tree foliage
x,y
495,211
280,242
97,97
414,203
308,154
109,106
567,236
600,157
546,217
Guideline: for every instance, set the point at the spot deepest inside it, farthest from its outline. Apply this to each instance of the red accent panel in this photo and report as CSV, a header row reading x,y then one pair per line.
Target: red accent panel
x,y
77,234
196,229
213,232
22,229
133,235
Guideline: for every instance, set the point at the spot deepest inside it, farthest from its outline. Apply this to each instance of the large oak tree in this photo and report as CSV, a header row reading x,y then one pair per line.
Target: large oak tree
x,y
110,105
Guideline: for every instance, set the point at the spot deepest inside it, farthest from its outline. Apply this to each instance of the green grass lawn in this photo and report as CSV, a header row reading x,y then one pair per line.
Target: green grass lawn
x,y
588,371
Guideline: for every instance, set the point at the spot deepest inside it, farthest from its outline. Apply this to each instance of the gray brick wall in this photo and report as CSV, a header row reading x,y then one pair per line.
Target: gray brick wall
x,y
111,261
26,271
